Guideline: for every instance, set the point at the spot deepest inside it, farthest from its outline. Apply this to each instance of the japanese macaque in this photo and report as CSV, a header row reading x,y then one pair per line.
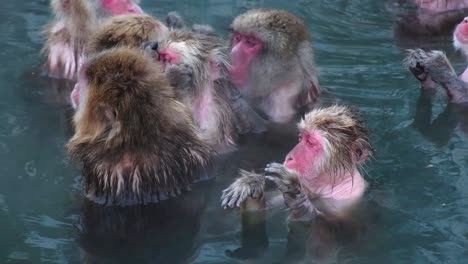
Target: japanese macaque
x,y
137,144
123,30
319,179
273,63
432,17
126,30
68,34
196,65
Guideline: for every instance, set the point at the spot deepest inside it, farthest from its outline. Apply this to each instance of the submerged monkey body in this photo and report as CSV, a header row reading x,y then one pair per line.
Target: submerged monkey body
x,y
137,143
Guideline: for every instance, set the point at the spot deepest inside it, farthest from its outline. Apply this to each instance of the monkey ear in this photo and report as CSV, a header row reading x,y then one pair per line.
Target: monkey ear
x,y
361,155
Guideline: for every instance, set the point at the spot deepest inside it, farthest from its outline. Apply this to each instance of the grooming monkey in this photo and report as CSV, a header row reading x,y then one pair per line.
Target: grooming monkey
x,y
123,30
69,32
137,143
196,65
273,63
319,182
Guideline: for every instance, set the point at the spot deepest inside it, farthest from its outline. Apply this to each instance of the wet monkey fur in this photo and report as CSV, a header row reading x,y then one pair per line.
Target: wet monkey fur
x,y
273,63
196,65
119,31
67,35
136,143
320,175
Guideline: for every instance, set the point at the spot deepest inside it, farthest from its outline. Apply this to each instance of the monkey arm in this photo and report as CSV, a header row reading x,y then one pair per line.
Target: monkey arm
x,y
248,186
295,197
180,77
434,64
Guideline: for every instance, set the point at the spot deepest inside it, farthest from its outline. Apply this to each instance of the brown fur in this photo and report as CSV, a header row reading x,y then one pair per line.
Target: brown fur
x,y
204,55
136,142
286,60
345,137
71,28
126,30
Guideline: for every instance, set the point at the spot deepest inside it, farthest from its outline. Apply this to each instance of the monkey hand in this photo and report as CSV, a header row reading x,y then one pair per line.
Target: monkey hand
x,y
429,67
180,76
249,185
174,20
287,181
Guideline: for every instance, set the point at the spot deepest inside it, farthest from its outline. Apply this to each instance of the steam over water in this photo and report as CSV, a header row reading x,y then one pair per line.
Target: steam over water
x,y
417,203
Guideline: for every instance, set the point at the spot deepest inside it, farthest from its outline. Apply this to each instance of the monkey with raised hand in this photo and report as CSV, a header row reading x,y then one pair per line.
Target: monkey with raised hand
x,y
320,176
433,69
69,32
196,65
122,31
136,142
273,63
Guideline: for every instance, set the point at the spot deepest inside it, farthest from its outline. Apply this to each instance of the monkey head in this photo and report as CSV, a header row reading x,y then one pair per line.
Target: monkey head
x,y
460,36
119,7
126,30
204,54
332,141
137,143
263,32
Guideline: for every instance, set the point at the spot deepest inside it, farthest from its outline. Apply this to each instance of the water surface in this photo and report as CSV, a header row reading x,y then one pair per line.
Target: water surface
x,y
418,197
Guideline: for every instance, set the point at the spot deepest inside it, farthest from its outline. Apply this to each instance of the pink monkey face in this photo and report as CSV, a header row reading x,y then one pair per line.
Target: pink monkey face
x,y
244,49
120,7
461,32
304,157
168,56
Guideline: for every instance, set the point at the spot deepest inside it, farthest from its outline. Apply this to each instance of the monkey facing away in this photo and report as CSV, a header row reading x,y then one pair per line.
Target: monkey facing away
x,y
196,65
319,181
123,30
136,143
69,32
273,63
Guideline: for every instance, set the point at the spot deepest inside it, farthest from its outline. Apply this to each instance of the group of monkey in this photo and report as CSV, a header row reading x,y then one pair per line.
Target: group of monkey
x,y
156,101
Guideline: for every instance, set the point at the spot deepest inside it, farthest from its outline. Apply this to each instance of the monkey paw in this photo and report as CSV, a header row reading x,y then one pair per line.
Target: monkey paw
x,y
433,64
286,180
180,76
249,185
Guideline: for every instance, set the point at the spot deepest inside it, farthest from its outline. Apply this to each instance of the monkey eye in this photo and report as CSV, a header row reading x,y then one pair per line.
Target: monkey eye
x,y
251,42
237,38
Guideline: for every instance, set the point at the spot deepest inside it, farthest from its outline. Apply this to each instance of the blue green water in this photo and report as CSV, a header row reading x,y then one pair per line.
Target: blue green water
x,y
418,197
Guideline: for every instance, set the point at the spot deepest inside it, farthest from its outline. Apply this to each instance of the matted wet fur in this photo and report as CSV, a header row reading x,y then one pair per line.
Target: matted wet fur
x,y
345,138
137,143
67,36
217,107
126,30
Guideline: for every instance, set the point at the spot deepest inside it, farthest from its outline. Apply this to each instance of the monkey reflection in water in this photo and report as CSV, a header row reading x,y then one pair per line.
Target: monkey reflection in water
x,y
320,185
165,232
434,71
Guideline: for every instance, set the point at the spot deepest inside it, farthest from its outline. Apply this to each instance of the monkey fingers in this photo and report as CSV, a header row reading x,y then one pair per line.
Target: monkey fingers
x,y
249,185
286,180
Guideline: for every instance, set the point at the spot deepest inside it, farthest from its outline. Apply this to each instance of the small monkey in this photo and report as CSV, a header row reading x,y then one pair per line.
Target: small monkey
x,y
69,32
319,182
136,143
273,63
123,30
196,65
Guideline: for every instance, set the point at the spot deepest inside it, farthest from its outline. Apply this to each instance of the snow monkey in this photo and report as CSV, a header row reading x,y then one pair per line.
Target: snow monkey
x,y
320,175
196,65
68,33
319,182
136,143
273,63
122,30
